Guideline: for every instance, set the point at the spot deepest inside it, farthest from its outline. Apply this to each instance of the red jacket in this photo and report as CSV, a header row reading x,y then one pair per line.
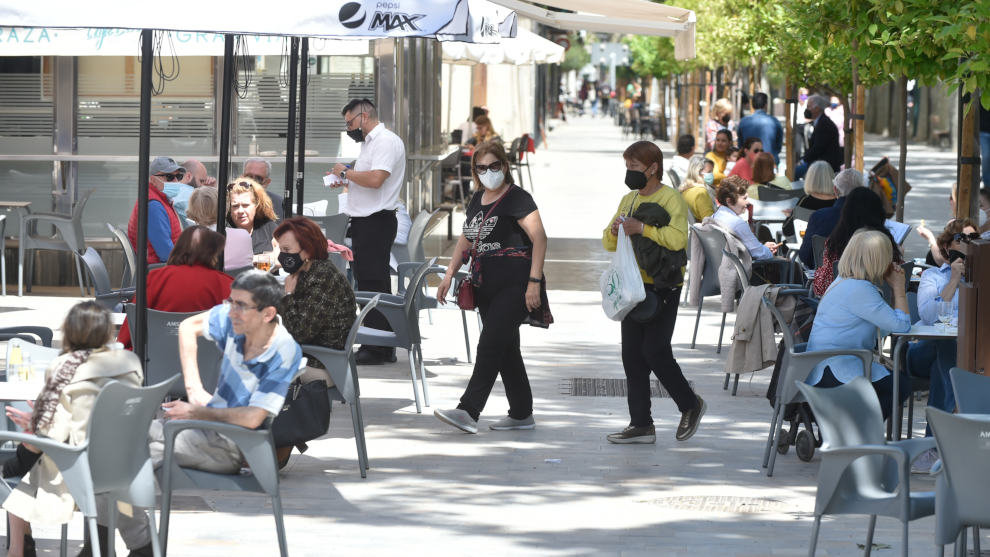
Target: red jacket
x,y
182,288
173,220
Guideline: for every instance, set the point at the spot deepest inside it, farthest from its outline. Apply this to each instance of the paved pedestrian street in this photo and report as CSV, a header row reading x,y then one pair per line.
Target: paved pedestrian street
x,y
561,489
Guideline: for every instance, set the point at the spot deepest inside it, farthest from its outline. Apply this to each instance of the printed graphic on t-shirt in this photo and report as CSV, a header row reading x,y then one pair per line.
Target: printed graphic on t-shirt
x,y
471,232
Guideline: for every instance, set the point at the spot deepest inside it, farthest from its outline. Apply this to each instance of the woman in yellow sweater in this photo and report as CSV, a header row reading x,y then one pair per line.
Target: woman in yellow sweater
x,y
720,154
646,338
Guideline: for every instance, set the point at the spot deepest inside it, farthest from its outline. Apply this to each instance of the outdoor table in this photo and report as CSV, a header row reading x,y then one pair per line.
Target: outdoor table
x,y
917,332
17,391
772,211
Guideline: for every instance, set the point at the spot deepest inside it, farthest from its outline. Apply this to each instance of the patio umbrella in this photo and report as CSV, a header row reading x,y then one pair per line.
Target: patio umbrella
x,y
469,20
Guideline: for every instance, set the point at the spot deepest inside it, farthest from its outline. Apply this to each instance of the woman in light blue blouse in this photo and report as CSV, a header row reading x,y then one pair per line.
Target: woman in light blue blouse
x,y
853,309
732,198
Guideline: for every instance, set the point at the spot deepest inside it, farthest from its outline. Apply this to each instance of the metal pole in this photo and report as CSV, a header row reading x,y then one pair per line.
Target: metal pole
x,y
290,133
144,156
224,149
303,84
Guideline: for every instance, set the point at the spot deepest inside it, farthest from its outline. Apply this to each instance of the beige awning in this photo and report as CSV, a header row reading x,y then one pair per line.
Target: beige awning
x,y
634,17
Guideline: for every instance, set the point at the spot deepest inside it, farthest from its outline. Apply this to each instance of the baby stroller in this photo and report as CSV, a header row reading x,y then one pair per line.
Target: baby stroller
x,y
803,432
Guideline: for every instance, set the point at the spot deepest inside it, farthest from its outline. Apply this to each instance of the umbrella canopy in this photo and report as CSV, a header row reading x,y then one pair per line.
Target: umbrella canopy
x,y
638,17
465,20
525,48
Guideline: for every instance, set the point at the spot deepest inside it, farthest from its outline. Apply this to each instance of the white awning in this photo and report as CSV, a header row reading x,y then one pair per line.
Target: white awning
x,y
464,20
635,17
18,41
525,48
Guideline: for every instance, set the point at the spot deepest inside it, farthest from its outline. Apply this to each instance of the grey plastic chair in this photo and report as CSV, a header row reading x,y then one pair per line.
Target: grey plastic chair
x,y
428,302
162,354
334,226
128,278
69,238
402,313
802,213
961,489
770,193
113,461
861,473
713,245
106,296
258,449
972,391
342,368
43,334
795,367
818,249
412,250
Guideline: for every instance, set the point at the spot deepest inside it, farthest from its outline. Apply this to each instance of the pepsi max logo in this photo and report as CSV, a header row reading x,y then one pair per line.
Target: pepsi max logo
x,y
487,28
352,15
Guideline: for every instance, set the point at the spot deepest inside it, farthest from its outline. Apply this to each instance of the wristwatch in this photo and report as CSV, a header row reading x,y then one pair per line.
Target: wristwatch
x,y
343,174
536,280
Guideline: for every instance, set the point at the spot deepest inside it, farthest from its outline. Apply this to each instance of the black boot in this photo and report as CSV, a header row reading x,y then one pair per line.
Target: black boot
x,y
104,535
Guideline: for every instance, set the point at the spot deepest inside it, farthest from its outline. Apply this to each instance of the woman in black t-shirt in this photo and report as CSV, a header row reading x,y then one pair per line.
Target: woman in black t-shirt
x,y
505,241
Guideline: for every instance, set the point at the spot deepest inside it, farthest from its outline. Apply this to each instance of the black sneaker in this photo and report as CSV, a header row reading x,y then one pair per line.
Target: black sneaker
x,y
645,434
690,420
368,356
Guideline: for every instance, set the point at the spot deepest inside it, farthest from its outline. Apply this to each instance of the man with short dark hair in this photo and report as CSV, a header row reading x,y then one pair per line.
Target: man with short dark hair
x,y
762,126
260,359
679,162
260,171
372,199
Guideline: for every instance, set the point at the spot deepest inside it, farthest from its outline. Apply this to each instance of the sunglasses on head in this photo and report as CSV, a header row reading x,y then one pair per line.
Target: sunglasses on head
x,y
172,176
494,167
231,185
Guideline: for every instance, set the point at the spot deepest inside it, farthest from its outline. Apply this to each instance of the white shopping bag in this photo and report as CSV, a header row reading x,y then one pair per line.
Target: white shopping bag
x,y
621,284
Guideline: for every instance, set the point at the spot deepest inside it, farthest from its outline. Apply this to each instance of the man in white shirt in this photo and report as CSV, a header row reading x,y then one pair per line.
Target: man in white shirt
x,y
679,162
373,196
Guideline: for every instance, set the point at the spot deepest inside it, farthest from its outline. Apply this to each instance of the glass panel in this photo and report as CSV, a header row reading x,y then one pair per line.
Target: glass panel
x,y
26,111
25,181
182,120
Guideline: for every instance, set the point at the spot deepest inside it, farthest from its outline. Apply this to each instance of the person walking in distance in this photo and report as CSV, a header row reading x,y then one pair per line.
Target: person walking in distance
x,y
373,197
646,335
505,241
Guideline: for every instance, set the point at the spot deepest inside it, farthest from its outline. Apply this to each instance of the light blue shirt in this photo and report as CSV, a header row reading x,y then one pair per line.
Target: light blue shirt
x,y
849,315
932,283
729,220
261,382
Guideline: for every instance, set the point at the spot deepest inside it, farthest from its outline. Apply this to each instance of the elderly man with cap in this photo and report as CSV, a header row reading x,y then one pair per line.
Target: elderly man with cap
x,y
164,225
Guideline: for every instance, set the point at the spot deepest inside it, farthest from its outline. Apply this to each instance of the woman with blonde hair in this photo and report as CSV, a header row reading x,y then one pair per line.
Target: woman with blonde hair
x,y
251,209
853,310
61,413
237,252
699,197
484,131
721,120
819,187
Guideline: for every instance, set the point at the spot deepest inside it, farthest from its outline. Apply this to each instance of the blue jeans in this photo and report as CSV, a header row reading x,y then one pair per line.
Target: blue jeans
x,y
932,359
985,156
800,170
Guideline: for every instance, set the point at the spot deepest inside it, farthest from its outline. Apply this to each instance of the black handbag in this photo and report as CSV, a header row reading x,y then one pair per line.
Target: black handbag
x,y
305,415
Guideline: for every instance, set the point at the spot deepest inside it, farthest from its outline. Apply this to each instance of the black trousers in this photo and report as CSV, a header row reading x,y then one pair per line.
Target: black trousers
x,y
501,300
371,242
645,349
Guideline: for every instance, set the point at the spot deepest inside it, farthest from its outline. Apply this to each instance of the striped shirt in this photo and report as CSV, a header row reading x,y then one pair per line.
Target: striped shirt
x,y
261,382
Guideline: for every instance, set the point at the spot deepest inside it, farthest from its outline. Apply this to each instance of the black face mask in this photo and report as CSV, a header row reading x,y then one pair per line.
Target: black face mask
x,y
807,114
357,134
291,262
635,179
725,120
956,254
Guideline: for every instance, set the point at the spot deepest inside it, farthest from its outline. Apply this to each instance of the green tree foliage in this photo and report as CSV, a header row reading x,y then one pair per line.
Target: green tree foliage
x,y
576,57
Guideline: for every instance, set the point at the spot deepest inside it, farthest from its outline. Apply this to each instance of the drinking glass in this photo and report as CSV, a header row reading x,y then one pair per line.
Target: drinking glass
x,y
945,315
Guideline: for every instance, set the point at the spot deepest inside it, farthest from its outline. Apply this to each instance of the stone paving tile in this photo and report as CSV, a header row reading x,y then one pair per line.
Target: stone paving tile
x,y
434,491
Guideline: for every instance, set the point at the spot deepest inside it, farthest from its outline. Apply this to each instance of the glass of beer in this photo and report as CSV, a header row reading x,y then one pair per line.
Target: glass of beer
x,y
263,261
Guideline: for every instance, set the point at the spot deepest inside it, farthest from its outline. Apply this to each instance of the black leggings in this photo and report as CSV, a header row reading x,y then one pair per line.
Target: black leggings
x,y
645,349
501,300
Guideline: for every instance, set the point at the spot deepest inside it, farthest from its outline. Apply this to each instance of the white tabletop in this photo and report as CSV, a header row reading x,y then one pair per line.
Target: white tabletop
x,y
919,330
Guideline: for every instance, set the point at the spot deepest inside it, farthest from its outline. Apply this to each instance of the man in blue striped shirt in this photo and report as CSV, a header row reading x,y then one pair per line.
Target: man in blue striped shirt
x,y
260,359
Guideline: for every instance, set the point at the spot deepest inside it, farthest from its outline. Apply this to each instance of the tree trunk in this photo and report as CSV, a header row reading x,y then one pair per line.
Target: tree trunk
x,y
969,171
790,94
847,130
858,113
676,112
707,107
902,139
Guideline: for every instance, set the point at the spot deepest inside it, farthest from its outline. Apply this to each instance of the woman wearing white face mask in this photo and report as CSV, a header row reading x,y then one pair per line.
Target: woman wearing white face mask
x,y
504,239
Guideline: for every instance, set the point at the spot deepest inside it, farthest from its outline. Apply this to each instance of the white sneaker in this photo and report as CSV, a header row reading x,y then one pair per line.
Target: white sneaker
x,y
923,464
508,423
457,418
